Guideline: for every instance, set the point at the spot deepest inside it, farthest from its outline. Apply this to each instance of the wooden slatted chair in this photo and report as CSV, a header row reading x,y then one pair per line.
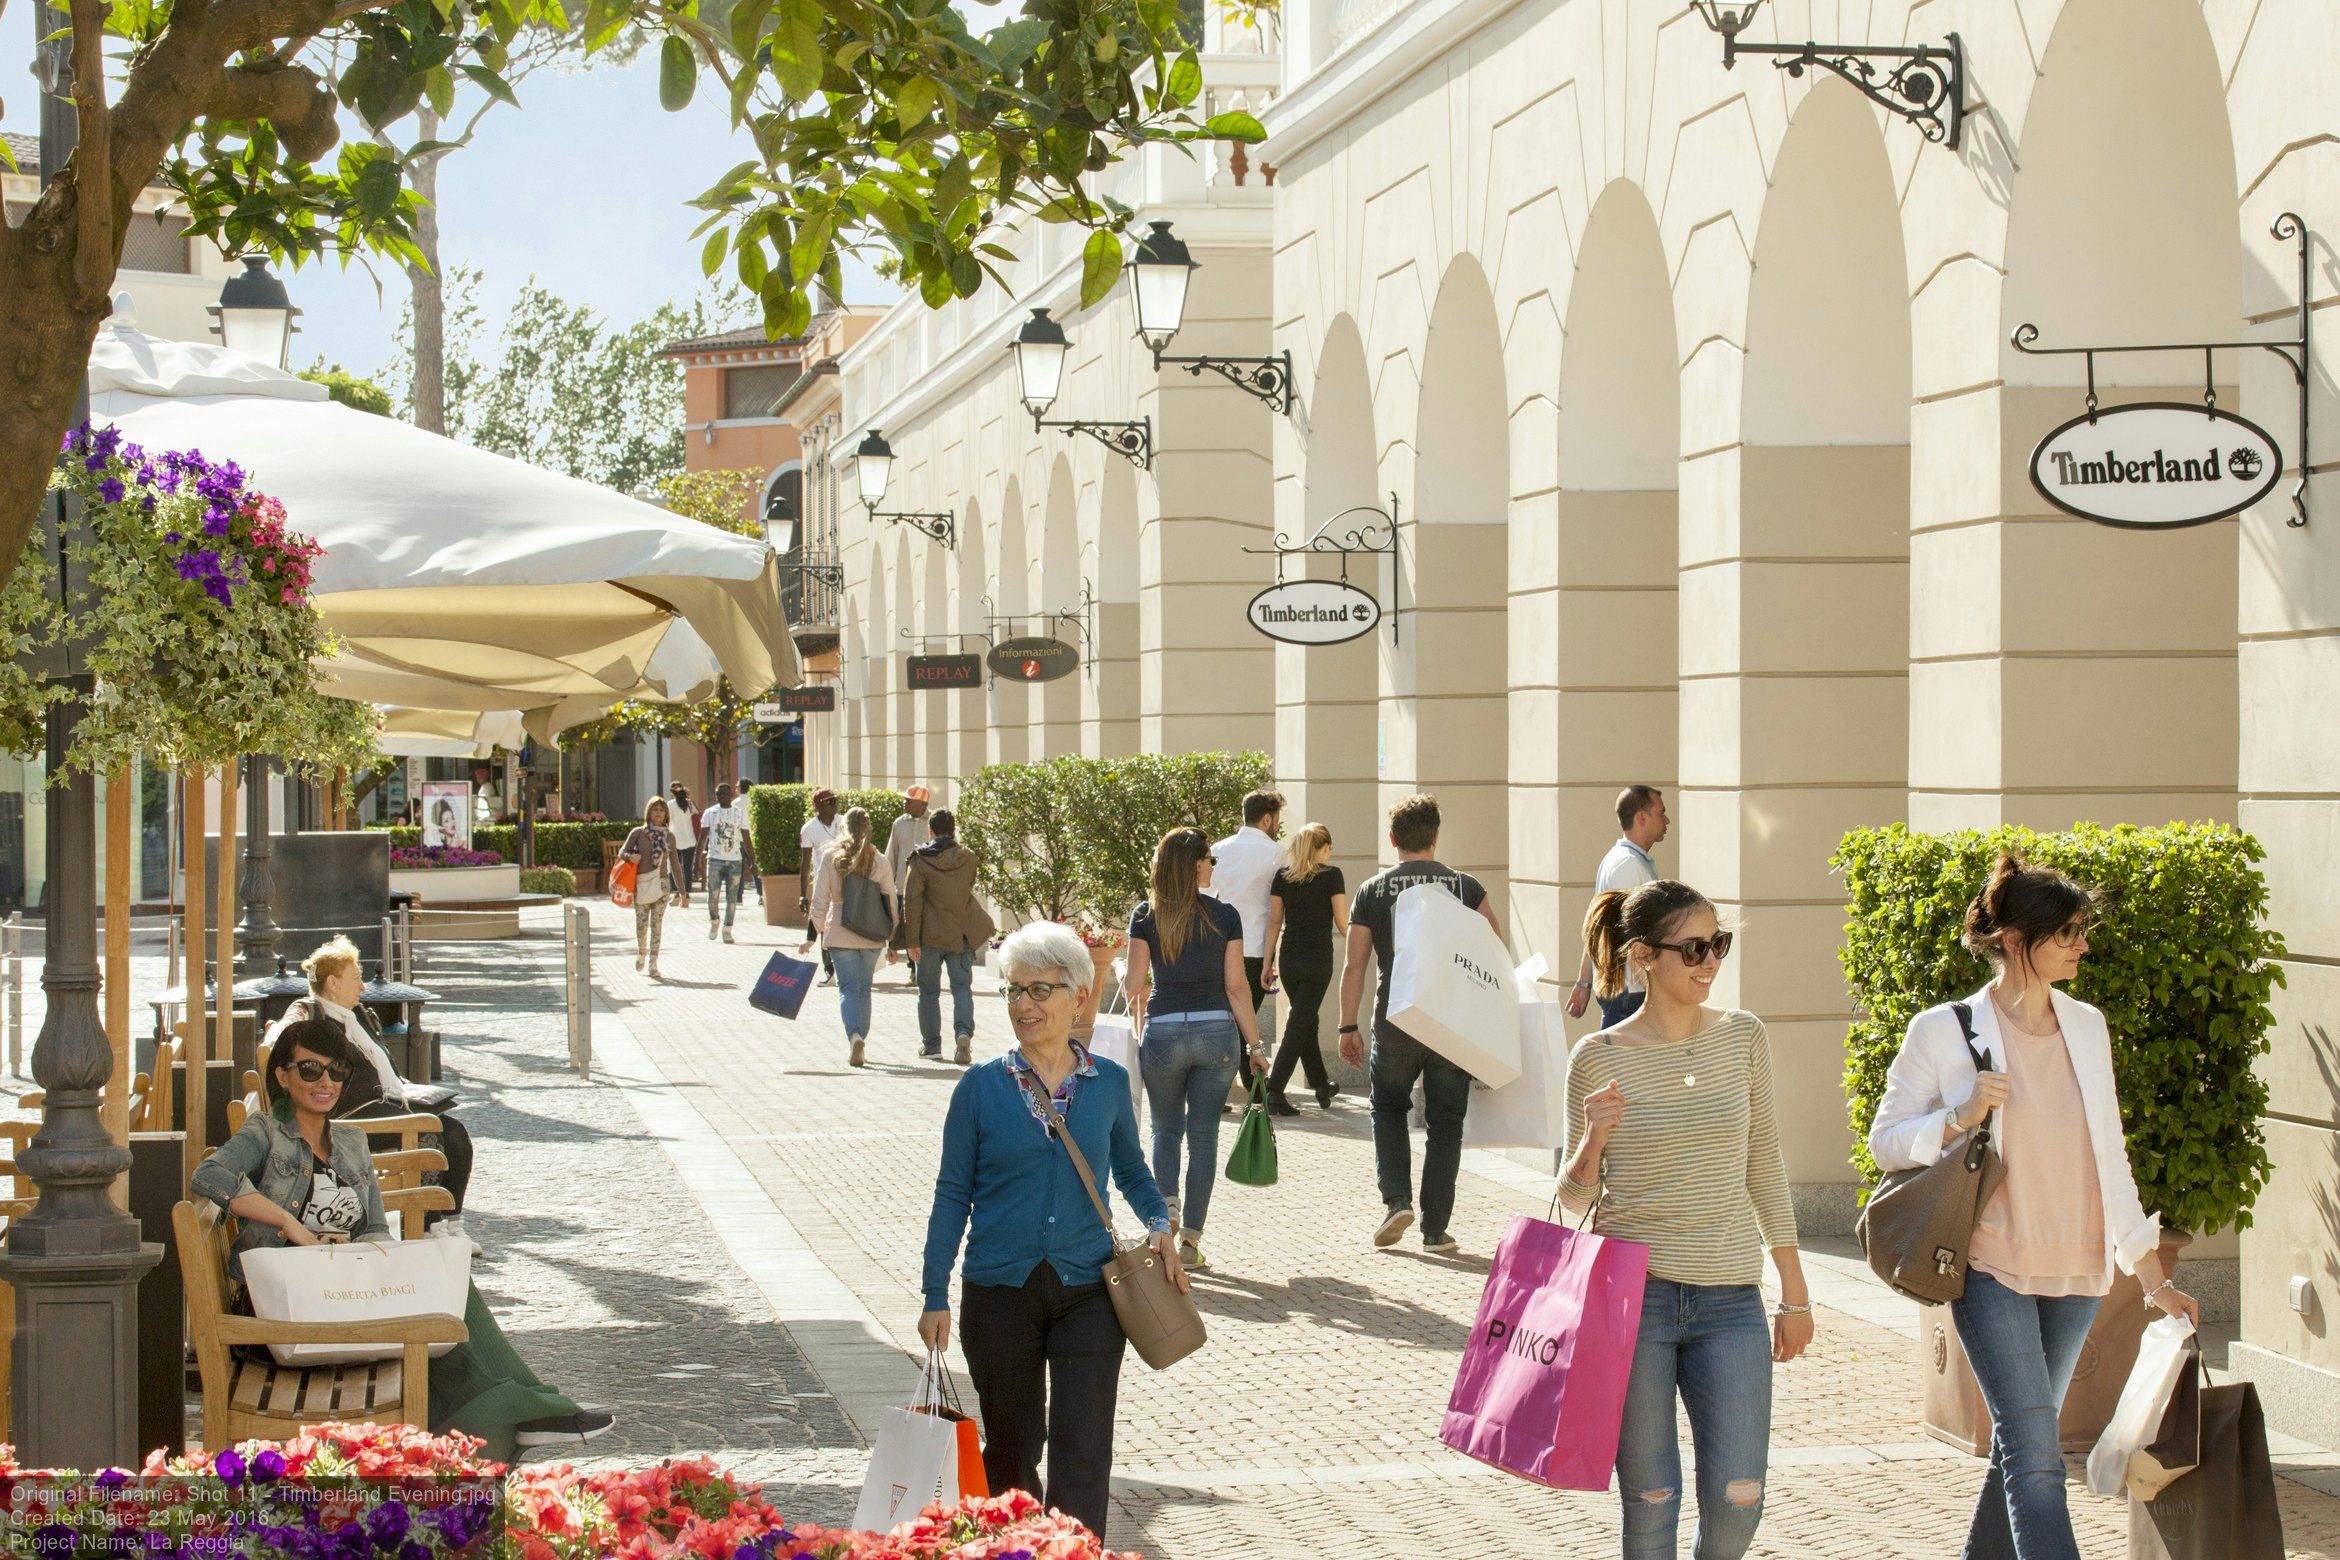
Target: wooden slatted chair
x,y
162,1092
400,1170
244,1399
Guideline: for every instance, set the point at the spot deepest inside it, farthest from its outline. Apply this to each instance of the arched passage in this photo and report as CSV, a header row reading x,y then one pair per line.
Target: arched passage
x,y
1110,698
2020,630
1010,703
1593,613
1446,719
1056,706
1795,612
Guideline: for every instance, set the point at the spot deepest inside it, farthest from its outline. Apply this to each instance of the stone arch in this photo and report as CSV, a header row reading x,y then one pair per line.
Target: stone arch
x,y
1011,592
1056,706
1446,718
1594,612
1110,699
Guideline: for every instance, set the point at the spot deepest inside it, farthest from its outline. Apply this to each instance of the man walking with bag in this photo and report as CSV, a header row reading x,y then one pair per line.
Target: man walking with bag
x,y
1245,874
945,924
1398,1058
1641,814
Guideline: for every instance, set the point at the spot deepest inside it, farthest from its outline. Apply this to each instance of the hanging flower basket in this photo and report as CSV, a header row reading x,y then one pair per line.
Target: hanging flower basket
x,y
192,597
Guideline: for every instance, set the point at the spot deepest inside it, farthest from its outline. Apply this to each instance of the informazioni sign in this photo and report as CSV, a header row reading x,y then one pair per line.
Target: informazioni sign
x,y
2154,465
1032,660
1314,612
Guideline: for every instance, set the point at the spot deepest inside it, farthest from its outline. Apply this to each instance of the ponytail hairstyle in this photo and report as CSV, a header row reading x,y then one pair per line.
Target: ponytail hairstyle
x,y
2025,901
853,853
1177,896
1310,849
1619,918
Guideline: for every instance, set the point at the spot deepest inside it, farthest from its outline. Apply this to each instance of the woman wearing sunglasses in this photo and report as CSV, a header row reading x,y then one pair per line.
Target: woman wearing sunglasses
x,y
293,1176
2045,1245
1189,947
1042,1341
1675,1146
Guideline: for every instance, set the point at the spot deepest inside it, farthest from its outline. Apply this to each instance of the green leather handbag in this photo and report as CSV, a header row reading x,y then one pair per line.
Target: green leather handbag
x,y
1253,1163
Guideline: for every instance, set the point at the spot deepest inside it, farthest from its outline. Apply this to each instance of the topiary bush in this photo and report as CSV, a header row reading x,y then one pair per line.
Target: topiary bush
x,y
1121,807
1018,821
548,880
776,815
2180,961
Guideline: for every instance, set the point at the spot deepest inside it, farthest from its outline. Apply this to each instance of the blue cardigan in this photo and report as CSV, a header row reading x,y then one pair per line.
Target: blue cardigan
x,y
1003,1174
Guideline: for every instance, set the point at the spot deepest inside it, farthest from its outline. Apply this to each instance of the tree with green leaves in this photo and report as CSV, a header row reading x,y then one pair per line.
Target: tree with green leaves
x,y
880,126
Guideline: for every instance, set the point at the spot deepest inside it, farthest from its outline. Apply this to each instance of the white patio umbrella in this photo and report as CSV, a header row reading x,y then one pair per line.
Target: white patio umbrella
x,y
447,564
413,733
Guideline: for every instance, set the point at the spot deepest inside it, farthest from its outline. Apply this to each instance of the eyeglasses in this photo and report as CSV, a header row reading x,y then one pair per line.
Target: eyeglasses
x,y
1211,858
1039,991
1695,949
2072,933
311,1070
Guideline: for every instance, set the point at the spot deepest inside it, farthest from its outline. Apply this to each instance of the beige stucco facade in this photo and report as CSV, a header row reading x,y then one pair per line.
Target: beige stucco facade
x,y
1695,393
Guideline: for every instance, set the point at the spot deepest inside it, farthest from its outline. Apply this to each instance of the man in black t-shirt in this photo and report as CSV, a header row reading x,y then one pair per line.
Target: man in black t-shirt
x,y
1398,1058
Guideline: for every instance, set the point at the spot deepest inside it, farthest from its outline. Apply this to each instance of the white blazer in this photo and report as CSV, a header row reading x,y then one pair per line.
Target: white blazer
x,y
1933,1076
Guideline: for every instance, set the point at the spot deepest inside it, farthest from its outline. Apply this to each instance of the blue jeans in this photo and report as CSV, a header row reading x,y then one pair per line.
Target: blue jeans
x,y
1712,1344
2023,1348
1397,1060
856,968
1615,1010
724,879
1187,1069
932,962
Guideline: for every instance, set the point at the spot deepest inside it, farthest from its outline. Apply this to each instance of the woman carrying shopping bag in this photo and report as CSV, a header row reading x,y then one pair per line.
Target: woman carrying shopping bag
x,y
2046,1243
1189,947
1042,1338
853,910
1307,900
1676,1147
650,847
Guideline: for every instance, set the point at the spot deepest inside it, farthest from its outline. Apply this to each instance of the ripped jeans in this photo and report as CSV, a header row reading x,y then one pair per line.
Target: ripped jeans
x,y
1712,1343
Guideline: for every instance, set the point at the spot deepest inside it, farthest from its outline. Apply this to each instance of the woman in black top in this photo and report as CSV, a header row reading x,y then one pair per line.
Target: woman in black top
x,y
1308,908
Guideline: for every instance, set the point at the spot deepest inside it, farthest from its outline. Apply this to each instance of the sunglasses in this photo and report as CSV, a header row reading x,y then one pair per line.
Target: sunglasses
x,y
1039,991
2072,933
1695,949
311,1070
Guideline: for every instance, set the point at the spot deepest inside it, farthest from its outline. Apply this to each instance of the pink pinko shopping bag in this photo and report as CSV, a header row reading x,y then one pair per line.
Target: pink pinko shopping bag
x,y
1541,1392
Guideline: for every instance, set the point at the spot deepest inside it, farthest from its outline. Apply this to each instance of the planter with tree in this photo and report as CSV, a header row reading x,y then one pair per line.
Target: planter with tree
x,y
2181,962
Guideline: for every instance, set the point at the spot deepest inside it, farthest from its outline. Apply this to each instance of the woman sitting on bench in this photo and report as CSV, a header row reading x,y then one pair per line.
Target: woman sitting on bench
x,y
337,992
293,1176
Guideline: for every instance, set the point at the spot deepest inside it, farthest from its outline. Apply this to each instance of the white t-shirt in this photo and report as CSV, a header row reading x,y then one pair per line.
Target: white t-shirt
x,y
1244,878
1627,866
679,825
816,837
724,828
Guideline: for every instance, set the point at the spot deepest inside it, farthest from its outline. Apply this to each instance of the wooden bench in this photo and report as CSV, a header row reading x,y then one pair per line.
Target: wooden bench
x,y
244,1399
399,1170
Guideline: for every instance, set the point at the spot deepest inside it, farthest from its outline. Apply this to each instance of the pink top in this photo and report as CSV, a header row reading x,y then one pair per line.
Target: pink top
x,y
2042,1232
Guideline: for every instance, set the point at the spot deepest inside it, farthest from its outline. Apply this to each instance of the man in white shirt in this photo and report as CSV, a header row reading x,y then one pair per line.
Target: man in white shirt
x,y
1641,813
1243,877
723,835
911,830
820,831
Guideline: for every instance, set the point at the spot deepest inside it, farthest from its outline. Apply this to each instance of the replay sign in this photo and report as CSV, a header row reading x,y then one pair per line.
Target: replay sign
x,y
1314,612
2156,465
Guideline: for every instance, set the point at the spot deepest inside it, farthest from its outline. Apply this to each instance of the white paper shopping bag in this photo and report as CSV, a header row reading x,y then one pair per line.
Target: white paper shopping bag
x,y
1532,1110
1115,1039
2163,1355
914,1462
363,1281
1451,984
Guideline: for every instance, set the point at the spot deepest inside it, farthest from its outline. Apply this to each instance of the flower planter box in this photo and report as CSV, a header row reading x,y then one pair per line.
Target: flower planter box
x,y
461,889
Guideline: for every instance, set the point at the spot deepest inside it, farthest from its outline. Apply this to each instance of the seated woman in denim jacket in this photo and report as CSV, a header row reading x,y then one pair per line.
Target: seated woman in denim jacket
x,y
295,1176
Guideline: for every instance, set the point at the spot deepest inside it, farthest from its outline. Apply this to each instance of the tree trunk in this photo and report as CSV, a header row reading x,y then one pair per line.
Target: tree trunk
x,y
45,336
429,289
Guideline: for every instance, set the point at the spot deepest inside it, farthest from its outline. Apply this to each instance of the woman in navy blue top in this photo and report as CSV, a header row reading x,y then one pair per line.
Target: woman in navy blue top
x,y
1190,947
1042,1342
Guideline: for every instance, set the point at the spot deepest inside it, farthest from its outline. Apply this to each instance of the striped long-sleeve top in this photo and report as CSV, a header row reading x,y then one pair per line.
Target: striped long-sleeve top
x,y
1693,1171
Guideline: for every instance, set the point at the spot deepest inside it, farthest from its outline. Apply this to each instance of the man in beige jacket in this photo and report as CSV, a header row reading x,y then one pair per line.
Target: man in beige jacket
x,y
946,928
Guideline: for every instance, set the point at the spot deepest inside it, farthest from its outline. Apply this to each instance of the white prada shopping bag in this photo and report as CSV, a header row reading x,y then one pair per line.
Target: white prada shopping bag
x,y
1531,1111
364,1281
1451,984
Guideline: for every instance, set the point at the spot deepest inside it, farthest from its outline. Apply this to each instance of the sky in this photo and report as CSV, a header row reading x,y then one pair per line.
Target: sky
x,y
582,186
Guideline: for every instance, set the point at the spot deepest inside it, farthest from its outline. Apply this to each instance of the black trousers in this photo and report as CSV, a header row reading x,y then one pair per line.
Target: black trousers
x,y
1307,973
1045,1358
1253,971
454,1141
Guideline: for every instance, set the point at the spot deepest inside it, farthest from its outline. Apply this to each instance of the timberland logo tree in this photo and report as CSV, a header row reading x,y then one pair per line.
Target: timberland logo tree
x,y
2156,464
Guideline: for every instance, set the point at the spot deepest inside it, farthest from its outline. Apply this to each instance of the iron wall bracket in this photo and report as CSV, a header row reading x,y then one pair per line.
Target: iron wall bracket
x,y
1366,538
1268,378
1133,441
943,528
1924,83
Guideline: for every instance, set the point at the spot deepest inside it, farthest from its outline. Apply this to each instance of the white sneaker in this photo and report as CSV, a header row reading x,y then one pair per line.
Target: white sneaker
x,y
858,1055
637,963
654,975
452,1229
711,931
727,937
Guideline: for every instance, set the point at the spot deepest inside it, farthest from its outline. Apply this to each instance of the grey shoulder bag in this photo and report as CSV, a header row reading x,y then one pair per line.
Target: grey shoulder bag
x,y
1918,1223
1161,1322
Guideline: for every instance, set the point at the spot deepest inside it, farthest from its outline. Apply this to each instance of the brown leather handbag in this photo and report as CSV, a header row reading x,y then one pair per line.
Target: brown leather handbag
x,y
1159,1319
1918,1223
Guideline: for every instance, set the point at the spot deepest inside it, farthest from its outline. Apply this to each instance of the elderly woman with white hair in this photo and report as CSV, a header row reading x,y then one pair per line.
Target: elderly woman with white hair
x,y
1042,1342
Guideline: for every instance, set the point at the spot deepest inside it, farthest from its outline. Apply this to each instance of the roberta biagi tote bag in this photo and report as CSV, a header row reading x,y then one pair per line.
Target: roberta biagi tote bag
x,y
1541,1389
1917,1224
357,1282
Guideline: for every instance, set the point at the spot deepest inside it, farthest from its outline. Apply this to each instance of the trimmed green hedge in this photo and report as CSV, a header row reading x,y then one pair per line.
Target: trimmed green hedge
x,y
576,846
776,815
548,880
2181,963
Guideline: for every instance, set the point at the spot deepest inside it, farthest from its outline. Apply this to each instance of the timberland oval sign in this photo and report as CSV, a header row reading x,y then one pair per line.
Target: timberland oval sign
x,y
1314,612
2154,465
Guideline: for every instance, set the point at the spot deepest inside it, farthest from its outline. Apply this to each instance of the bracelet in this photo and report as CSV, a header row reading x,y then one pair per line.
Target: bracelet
x,y
1348,1029
1784,1309
2167,1283
1584,983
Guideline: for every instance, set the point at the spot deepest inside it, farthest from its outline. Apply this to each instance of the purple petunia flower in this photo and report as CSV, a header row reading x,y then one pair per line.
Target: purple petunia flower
x,y
110,491
229,1465
269,1464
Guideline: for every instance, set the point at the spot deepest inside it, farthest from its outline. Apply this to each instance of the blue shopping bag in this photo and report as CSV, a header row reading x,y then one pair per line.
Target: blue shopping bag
x,y
781,988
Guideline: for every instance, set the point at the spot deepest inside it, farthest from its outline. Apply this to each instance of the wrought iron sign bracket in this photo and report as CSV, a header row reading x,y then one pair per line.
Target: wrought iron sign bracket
x,y
1367,537
1924,84
2294,352
1269,378
943,528
1082,616
1133,441
829,574
928,639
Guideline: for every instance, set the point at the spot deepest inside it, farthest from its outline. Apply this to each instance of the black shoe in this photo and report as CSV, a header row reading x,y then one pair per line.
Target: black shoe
x,y
1279,1106
1324,1096
579,1427
931,1053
